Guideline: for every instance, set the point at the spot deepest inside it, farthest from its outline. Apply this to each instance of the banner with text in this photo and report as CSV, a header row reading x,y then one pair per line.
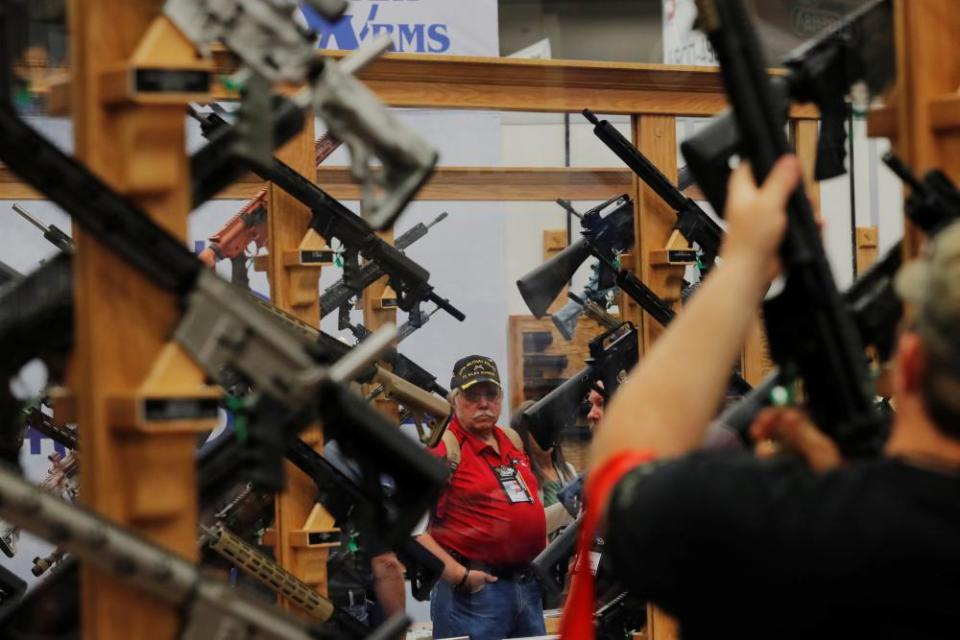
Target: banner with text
x,y
453,27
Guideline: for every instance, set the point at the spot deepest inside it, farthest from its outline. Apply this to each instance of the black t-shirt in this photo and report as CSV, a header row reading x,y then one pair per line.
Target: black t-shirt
x,y
745,548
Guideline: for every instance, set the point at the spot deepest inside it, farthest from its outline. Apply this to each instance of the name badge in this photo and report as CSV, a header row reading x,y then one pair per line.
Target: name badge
x,y
513,484
594,562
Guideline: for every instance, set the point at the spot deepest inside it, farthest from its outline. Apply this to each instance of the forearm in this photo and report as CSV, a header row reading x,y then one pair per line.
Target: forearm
x,y
665,405
388,584
453,571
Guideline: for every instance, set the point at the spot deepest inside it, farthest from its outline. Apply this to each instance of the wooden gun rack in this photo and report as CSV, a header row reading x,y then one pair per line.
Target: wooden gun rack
x,y
123,321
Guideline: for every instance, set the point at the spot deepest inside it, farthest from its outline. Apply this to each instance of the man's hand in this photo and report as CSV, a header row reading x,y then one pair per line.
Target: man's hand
x,y
793,429
477,580
756,217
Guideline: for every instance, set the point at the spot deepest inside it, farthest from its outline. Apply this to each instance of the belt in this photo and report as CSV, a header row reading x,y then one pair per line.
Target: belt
x,y
501,572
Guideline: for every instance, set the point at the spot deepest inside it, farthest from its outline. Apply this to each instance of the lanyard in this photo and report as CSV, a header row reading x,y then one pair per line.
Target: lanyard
x,y
512,482
577,621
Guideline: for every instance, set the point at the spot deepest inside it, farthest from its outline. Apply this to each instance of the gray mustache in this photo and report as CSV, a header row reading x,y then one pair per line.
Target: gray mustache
x,y
484,414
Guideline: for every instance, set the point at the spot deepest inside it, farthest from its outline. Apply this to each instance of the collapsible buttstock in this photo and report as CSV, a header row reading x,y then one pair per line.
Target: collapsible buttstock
x,y
546,566
708,155
556,411
410,395
541,286
566,319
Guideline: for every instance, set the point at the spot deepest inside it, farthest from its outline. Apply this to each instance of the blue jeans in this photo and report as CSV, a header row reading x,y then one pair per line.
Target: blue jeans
x,y
502,609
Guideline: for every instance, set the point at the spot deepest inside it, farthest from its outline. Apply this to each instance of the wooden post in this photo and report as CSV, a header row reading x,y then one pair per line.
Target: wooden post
x,y
927,105
867,248
139,474
294,288
374,317
656,138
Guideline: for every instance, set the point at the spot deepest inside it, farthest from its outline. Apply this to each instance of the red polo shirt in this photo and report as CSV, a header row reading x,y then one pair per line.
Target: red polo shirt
x,y
475,518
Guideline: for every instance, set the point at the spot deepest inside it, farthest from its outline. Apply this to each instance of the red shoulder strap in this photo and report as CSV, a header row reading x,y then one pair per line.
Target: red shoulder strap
x,y
577,621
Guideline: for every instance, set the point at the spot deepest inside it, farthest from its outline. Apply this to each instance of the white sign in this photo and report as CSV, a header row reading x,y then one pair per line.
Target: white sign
x,y
453,27
682,44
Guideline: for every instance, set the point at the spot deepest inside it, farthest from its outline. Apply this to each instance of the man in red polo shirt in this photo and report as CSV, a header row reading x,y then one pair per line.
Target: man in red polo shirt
x,y
489,523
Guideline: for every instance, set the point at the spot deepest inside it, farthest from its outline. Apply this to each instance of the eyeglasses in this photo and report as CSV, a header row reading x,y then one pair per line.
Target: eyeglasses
x,y
474,394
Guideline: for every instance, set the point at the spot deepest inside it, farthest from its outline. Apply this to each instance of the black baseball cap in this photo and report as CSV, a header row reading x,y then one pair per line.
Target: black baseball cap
x,y
470,370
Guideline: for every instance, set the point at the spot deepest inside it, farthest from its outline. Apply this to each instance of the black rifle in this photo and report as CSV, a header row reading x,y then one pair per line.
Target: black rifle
x,y
692,221
876,308
221,161
612,355
36,321
12,589
604,237
334,348
810,330
217,469
274,413
53,234
42,423
620,616
345,289
550,566
331,219
933,203
415,321
349,502
8,274
821,72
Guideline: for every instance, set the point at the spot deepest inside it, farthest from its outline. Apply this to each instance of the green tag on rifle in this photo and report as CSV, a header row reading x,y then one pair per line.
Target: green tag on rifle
x,y
237,406
781,396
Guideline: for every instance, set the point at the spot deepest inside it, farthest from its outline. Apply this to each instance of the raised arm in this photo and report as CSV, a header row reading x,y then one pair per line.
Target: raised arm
x,y
666,403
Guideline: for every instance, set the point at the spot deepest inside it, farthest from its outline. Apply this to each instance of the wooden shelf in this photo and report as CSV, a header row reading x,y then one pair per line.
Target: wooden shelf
x,y
448,184
945,112
510,84
882,122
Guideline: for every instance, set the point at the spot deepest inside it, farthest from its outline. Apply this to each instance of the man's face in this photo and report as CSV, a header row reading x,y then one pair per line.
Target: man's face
x,y
596,409
478,406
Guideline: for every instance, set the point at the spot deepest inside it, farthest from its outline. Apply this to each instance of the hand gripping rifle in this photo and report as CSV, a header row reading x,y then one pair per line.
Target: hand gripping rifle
x,y
810,330
692,222
876,308
221,328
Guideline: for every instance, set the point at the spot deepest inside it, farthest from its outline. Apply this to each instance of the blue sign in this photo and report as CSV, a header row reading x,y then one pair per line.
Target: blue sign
x,y
349,31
